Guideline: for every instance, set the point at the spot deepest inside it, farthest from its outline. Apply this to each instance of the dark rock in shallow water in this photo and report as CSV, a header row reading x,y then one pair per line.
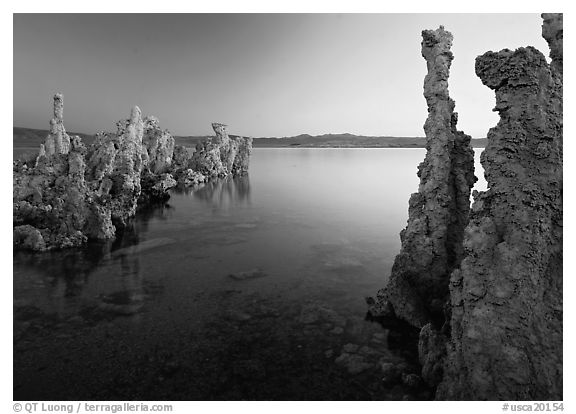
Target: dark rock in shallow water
x,y
248,275
313,313
350,348
238,316
353,363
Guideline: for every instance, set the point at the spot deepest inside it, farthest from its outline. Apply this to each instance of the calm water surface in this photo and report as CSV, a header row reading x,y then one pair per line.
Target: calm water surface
x,y
166,311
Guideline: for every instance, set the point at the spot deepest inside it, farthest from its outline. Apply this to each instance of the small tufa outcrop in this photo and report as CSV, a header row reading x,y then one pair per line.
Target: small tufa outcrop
x,y
242,159
506,298
438,212
222,155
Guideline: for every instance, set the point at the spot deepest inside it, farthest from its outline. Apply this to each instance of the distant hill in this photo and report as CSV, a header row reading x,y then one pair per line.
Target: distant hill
x,y
28,140
349,141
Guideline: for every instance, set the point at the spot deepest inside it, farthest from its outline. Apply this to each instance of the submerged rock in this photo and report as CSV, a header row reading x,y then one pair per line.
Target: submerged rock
x,y
313,313
353,363
390,373
248,275
506,324
438,212
238,315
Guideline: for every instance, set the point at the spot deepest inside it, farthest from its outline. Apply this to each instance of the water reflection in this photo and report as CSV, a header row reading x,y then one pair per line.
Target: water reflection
x,y
57,285
158,315
222,193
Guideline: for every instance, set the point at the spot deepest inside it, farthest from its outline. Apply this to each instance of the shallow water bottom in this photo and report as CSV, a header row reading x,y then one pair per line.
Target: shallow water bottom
x,y
249,288
174,317
253,347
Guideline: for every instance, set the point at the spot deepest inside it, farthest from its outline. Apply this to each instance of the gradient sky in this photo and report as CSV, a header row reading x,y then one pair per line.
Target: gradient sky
x,y
262,74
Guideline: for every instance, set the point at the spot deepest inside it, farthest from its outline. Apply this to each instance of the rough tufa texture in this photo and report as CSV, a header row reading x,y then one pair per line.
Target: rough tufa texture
x,y
159,146
552,31
506,325
438,212
222,155
73,194
123,183
53,200
58,141
242,159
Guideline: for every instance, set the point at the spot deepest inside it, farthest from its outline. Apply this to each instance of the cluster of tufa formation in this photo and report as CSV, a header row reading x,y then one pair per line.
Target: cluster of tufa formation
x,y
73,193
506,298
222,155
496,268
438,212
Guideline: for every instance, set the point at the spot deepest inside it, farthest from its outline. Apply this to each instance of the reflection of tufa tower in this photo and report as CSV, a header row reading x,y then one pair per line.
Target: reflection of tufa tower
x,y
58,141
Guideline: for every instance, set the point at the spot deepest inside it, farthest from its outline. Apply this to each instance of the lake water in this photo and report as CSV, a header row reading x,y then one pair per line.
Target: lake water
x,y
247,288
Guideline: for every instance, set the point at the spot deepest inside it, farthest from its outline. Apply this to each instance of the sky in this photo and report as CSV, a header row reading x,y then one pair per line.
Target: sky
x,y
261,74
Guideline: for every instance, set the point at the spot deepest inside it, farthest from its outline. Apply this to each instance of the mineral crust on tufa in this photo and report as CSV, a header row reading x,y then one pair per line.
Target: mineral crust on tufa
x,y
432,240
58,141
53,207
159,145
72,194
553,33
222,155
506,297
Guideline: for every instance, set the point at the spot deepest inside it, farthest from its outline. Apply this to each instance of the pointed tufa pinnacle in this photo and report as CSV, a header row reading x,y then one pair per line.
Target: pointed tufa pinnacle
x,y
135,115
59,107
58,141
431,242
552,31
